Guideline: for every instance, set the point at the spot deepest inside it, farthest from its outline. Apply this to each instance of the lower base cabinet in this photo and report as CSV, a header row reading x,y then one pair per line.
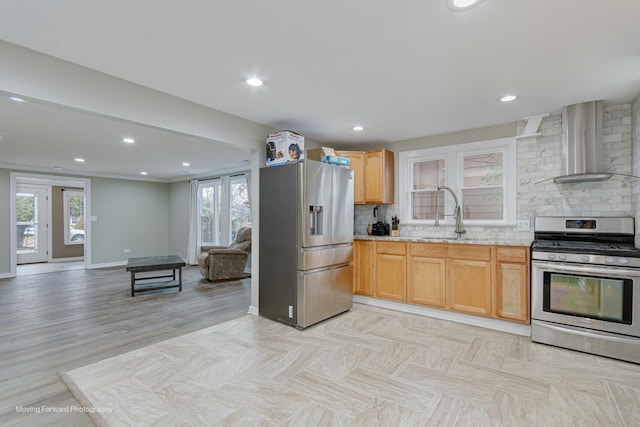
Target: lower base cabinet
x,y
364,263
482,280
391,271
470,286
428,274
512,284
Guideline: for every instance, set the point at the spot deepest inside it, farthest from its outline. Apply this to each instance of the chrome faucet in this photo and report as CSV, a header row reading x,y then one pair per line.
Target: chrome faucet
x,y
457,212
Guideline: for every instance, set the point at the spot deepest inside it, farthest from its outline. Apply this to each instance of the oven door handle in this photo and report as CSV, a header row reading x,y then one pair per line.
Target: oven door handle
x,y
587,269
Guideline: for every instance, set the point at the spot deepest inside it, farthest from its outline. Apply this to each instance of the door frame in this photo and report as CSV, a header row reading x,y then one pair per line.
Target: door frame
x,y
43,231
53,180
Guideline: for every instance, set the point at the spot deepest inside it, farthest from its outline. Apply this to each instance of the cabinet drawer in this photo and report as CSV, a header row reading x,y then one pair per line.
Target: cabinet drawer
x,y
512,254
470,252
433,250
392,248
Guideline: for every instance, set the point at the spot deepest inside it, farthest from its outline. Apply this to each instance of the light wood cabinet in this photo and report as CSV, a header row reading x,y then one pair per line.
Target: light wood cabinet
x,y
470,286
484,280
512,283
357,166
428,274
470,279
391,271
378,184
364,264
372,176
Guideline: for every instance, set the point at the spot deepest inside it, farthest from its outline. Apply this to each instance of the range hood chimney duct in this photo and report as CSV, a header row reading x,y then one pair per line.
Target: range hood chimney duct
x,y
582,143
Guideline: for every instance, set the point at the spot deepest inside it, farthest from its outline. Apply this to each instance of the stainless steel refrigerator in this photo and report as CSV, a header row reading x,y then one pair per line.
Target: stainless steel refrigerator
x,y
306,242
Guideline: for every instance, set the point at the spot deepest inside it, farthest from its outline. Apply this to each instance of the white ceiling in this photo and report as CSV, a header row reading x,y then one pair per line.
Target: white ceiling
x,y
403,69
46,136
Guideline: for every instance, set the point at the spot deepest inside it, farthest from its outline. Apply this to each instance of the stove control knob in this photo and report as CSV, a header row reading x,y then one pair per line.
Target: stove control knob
x,y
552,256
562,257
585,258
609,260
623,261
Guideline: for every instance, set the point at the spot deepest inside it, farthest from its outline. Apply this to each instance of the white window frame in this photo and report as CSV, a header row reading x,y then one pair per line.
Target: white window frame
x,y
454,169
222,208
215,182
67,223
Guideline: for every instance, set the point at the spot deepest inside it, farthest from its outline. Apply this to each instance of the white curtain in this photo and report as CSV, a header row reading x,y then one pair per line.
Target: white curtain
x,y
225,214
248,178
192,240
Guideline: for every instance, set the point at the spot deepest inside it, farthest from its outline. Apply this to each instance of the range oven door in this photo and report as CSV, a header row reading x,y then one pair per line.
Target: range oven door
x,y
600,298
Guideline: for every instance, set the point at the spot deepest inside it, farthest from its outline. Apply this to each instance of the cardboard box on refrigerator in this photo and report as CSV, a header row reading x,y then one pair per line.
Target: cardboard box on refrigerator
x,y
284,146
319,154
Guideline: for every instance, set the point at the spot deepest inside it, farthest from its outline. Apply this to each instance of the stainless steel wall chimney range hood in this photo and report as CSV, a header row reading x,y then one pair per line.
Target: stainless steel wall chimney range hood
x,y
582,143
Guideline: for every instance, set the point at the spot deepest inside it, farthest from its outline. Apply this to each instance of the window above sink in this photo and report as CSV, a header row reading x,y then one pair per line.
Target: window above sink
x,y
483,174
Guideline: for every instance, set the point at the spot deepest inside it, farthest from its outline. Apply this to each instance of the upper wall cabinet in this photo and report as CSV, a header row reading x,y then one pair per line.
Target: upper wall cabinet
x,y
373,176
357,166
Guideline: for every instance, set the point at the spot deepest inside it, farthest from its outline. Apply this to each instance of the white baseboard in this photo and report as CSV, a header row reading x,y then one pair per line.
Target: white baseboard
x,y
7,275
467,319
107,265
253,310
70,259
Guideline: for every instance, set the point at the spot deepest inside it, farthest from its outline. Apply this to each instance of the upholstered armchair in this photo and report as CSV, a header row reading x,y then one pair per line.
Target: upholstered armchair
x,y
226,262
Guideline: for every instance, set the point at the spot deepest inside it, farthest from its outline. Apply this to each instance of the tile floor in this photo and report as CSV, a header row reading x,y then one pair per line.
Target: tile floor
x,y
367,367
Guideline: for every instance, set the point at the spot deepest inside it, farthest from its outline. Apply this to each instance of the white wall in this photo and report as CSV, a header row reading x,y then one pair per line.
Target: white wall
x,y
178,218
635,126
130,215
5,224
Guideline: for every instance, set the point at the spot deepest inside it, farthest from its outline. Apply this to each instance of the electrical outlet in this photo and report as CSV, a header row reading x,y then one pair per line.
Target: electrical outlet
x,y
524,225
126,251
290,312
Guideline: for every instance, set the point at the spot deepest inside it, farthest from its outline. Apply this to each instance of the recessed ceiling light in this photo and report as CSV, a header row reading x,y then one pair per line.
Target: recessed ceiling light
x,y
79,160
462,4
508,98
15,98
254,81
128,140
144,173
358,128
186,164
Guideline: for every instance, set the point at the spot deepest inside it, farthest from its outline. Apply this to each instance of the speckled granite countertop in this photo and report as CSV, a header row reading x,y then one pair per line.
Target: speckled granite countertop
x,y
463,240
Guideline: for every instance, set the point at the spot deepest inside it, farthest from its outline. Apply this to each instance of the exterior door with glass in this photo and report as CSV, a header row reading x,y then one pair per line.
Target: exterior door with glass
x,y
32,213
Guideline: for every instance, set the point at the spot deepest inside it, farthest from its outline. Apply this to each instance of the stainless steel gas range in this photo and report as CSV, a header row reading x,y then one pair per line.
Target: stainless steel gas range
x,y
585,285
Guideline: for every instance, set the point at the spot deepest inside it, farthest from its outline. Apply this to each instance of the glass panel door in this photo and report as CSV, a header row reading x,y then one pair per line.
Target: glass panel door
x,y
31,224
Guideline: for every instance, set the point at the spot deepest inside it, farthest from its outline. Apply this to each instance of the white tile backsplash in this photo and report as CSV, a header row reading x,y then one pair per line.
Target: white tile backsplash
x,y
540,159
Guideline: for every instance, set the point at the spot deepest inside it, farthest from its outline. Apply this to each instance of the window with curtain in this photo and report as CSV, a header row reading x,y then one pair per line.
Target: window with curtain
x,y
209,195
240,206
223,208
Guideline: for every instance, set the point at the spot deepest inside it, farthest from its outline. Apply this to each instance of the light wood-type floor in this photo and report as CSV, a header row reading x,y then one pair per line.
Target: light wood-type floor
x,y
48,267
56,322
367,367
